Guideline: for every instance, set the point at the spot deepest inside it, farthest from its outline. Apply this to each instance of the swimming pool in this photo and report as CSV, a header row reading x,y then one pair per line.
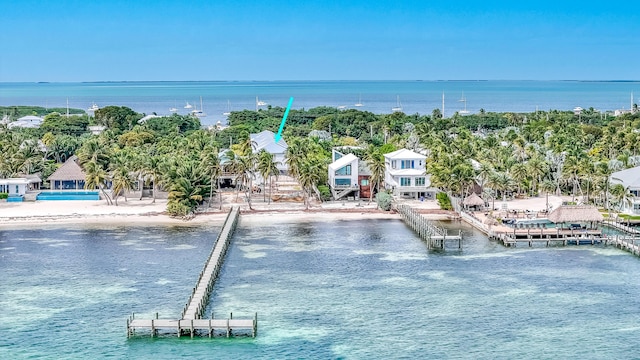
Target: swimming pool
x,y
68,195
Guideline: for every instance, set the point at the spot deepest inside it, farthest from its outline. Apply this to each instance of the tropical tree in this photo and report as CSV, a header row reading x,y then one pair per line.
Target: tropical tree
x,y
211,165
376,164
547,186
121,183
96,177
267,167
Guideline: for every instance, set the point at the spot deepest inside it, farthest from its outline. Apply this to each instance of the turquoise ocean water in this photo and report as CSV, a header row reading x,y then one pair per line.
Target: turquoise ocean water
x,y
376,96
323,290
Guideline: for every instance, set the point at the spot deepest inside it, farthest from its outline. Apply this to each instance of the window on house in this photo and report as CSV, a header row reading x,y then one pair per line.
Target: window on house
x,y
420,181
635,193
405,181
393,164
343,182
407,164
344,170
364,182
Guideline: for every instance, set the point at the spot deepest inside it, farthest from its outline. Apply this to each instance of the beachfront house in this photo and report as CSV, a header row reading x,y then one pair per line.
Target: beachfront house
x,y
16,188
69,176
266,141
630,179
348,176
405,175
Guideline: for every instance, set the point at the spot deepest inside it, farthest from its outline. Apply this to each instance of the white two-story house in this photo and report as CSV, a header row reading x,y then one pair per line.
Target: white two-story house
x,y
343,176
405,174
630,179
265,140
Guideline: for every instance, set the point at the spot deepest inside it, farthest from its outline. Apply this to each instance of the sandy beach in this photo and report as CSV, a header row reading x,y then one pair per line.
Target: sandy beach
x,y
145,211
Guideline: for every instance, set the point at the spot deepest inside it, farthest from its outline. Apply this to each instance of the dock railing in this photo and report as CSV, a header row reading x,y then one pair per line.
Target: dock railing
x,y
426,229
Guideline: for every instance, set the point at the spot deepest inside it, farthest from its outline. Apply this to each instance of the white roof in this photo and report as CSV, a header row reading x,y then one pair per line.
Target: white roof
x,y
28,121
267,140
342,162
404,154
14,181
628,177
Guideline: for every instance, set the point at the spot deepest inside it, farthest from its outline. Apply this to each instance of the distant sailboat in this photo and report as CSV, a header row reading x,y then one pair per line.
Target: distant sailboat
x,y
228,111
464,100
342,107
398,106
359,103
259,103
198,113
173,109
188,106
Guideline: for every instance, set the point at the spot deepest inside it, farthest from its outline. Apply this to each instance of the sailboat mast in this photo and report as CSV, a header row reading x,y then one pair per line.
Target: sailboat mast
x,y
443,105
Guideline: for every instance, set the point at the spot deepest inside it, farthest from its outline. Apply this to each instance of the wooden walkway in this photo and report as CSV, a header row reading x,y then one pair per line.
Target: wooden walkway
x,y
191,318
434,235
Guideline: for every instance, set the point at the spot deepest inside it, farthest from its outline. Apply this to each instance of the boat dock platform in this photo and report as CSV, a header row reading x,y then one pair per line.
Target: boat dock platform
x,y
435,236
191,320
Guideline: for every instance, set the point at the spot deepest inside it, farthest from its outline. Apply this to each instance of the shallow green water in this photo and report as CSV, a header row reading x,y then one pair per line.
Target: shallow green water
x,y
353,290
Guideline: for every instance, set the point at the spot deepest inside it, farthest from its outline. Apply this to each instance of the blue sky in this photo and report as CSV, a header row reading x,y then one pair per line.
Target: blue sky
x,y
115,40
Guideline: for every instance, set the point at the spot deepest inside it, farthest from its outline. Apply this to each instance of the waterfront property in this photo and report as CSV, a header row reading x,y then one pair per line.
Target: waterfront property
x,y
266,141
191,320
69,176
405,174
348,176
16,188
630,179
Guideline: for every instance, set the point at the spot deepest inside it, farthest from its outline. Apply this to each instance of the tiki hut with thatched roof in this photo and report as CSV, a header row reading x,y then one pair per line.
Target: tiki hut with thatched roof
x,y
575,214
473,201
68,176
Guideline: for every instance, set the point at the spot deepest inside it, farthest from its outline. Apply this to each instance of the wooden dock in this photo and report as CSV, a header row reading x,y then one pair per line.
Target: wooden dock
x,y
627,243
191,320
434,235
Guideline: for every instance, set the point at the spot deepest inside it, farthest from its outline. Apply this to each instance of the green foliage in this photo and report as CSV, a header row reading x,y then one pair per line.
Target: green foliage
x,y
443,201
4,195
325,193
117,118
178,208
384,200
173,125
62,125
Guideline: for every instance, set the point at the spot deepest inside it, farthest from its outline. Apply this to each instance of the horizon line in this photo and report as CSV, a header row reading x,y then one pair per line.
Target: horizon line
x,y
325,80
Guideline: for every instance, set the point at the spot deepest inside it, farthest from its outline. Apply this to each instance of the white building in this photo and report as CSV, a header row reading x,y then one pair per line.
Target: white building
x,y
343,176
28,121
266,140
630,179
405,174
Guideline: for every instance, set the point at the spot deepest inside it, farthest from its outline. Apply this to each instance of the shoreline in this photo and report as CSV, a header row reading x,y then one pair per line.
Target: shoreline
x,y
144,213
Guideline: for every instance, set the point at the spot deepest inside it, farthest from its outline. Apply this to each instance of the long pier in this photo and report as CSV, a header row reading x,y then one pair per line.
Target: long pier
x,y
434,235
191,320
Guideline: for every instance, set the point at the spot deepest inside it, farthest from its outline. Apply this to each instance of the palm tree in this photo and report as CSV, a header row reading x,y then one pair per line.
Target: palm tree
x,y
267,167
122,182
547,186
310,173
211,165
621,196
375,162
244,169
519,173
96,177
